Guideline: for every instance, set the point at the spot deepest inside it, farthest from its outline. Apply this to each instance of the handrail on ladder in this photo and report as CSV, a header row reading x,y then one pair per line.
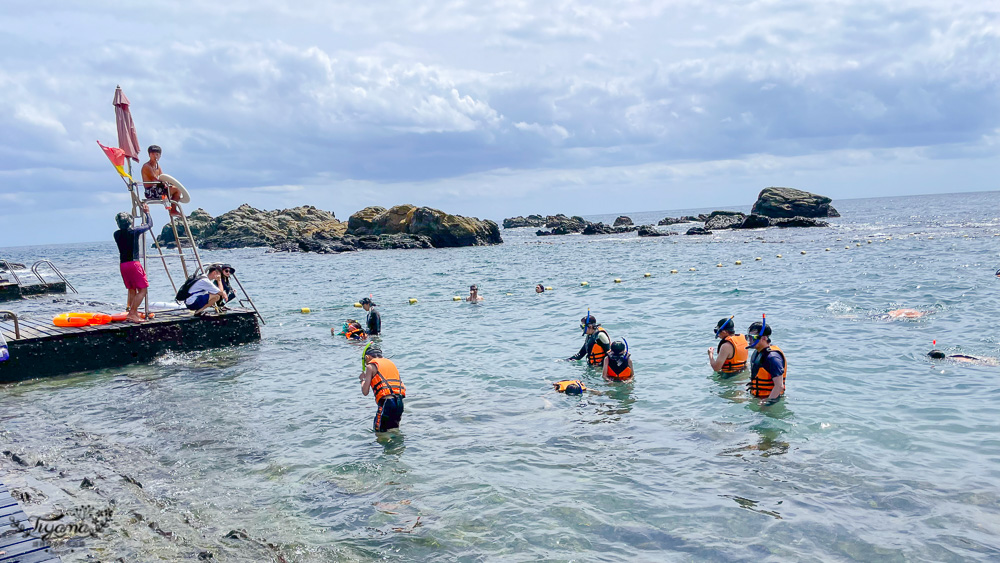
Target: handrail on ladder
x,y
11,270
17,327
34,270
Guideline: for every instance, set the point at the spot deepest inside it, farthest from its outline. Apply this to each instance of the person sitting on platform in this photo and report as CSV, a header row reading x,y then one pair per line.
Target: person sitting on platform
x,y
227,286
206,292
127,239
151,180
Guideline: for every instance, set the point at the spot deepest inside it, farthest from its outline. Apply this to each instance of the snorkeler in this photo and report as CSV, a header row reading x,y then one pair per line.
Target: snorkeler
x,y
905,314
570,386
354,331
473,294
939,355
767,366
374,321
618,363
732,349
596,346
381,376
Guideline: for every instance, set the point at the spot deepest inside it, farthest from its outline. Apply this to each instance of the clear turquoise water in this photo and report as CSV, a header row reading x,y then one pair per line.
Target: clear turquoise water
x,y
877,453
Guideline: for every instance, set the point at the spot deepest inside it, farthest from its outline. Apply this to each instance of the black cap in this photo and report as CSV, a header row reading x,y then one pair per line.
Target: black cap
x,y
366,301
725,324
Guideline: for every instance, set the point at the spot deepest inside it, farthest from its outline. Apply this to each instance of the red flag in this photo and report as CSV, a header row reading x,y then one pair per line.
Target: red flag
x,y
117,158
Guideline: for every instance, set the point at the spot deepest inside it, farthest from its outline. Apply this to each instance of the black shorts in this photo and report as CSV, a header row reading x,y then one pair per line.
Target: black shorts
x,y
390,410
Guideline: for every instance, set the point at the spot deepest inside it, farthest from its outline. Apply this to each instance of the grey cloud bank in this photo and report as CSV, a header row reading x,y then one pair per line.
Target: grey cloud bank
x,y
495,108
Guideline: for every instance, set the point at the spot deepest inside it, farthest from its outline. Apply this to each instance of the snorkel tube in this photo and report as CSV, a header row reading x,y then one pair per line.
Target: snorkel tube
x,y
626,346
364,356
587,323
724,326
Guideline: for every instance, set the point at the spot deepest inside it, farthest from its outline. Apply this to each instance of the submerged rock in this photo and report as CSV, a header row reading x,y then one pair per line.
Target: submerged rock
x,y
698,231
755,222
666,221
789,202
651,231
798,222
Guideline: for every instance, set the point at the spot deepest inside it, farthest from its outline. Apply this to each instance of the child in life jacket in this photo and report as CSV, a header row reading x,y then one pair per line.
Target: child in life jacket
x,y
618,362
353,330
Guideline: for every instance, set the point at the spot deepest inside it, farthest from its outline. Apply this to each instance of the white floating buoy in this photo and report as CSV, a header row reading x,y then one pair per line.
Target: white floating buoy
x,y
456,298
719,265
828,250
692,269
673,271
847,248
858,244
739,262
758,259
584,283
647,274
413,301
778,256
510,294
803,252
305,310
618,280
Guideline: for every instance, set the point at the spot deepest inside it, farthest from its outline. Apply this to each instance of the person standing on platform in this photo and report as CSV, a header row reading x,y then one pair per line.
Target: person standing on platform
x,y
134,276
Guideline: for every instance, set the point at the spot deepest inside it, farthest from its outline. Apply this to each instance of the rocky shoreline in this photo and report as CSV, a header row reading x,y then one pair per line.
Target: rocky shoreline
x,y
308,229
775,207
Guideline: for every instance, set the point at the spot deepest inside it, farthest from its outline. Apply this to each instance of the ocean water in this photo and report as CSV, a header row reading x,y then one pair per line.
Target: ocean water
x,y
876,453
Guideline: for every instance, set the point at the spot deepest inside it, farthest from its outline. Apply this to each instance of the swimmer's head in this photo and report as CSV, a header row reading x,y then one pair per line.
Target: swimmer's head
x,y
539,288
618,347
758,331
726,325
124,220
373,351
936,354
590,321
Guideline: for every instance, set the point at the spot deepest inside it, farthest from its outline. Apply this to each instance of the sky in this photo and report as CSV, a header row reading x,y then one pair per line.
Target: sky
x,y
493,108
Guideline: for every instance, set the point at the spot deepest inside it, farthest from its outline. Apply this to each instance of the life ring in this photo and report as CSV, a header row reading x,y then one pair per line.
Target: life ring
x,y
67,320
168,179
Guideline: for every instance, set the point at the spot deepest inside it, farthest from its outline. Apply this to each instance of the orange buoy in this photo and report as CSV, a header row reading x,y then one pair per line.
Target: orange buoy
x,y
67,320
119,317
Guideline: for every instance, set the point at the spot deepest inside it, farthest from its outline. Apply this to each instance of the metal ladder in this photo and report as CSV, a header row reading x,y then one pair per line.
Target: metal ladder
x,y
34,272
197,266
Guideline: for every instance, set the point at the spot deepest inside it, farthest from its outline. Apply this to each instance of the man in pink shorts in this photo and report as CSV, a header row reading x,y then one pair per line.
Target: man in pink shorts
x,y
127,238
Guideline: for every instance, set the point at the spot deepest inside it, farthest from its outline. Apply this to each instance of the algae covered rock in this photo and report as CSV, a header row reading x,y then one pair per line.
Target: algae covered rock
x,y
789,202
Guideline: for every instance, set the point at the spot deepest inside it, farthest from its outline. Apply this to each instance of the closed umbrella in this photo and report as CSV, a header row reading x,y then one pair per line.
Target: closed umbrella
x,y
127,139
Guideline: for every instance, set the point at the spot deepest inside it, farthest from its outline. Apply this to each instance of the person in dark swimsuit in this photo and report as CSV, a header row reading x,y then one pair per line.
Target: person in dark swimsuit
x,y
127,239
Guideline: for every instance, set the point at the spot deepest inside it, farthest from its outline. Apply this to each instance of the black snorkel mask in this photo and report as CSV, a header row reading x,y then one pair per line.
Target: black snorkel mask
x,y
760,334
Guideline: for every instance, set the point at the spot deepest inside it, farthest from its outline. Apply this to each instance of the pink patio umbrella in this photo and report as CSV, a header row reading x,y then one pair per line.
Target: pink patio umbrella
x,y
127,139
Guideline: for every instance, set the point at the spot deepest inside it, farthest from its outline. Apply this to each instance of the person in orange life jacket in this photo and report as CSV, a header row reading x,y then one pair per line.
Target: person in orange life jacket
x,y
382,377
596,346
354,331
732,350
767,365
618,364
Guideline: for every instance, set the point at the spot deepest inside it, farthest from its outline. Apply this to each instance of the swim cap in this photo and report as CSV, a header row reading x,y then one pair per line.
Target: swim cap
x,y
373,350
618,347
936,354
124,220
725,324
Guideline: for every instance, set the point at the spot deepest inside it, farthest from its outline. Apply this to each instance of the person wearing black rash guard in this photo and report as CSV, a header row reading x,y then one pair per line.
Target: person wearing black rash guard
x,y
127,239
374,318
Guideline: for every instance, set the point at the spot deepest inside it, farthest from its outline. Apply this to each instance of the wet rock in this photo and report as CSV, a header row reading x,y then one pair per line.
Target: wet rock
x,y
442,229
16,266
285,247
598,229
698,231
237,535
529,221
788,203
798,222
719,220
666,221
131,480
563,225
651,231
622,221
755,222
205,555
86,483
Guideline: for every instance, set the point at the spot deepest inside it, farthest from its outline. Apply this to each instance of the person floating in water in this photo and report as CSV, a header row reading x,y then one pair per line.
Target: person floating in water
x,y
134,276
473,294
151,179
618,363
768,368
354,331
905,314
381,376
570,386
939,355
597,343
539,288
732,350
374,320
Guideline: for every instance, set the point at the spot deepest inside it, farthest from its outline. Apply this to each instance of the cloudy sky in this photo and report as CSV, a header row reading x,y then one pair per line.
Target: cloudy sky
x,y
493,108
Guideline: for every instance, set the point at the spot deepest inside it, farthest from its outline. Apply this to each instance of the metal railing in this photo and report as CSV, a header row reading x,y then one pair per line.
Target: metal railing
x,y
10,269
17,327
34,270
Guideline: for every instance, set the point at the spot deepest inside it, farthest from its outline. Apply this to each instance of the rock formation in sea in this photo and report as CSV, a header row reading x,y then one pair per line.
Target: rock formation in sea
x,y
563,225
789,202
623,221
529,221
698,231
310,229
651,231
724,220
685,219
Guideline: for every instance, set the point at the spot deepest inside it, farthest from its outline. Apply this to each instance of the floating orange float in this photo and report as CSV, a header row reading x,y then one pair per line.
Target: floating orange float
x,y
81,318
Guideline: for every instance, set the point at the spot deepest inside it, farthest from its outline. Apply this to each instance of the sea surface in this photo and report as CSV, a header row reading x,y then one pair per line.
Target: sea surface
x,y
265,452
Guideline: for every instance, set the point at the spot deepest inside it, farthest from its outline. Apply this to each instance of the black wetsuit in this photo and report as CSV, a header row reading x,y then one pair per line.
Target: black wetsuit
x,y
374,322
128,240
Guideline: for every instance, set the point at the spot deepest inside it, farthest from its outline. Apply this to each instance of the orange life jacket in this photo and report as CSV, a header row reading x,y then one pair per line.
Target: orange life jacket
x,y
738,362
386,380
618,367
595,356
355,332
762,381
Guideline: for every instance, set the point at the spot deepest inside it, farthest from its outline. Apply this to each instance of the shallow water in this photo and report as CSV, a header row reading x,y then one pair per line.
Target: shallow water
x,y
876,452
